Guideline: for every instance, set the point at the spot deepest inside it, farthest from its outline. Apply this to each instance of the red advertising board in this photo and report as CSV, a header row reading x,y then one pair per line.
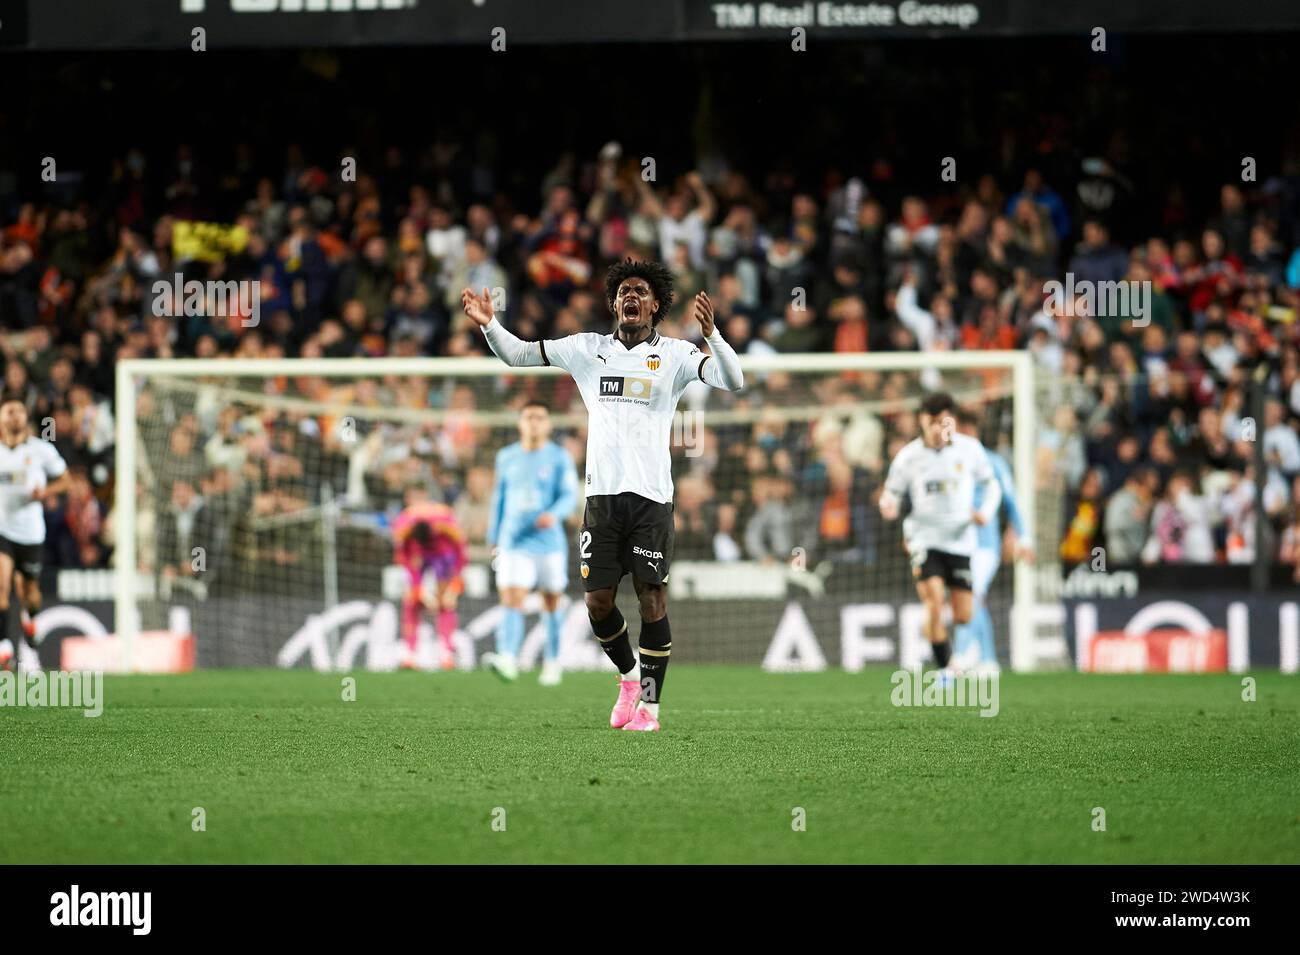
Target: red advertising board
x,y
1158,651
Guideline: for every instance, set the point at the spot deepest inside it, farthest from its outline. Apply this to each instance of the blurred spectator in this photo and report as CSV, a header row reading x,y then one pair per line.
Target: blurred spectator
x,y
1181,526
1095,259
1083,520
769,535
725,547
1127,515
679,223
1281,445
1289,553
75,525
1134,415
1041,194
694,525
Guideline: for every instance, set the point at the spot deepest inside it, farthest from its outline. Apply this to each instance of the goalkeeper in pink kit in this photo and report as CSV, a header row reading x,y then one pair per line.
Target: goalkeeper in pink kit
x,y
427,537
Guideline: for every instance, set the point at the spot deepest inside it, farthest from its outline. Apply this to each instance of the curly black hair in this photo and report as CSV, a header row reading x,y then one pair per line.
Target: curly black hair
x,y
656,273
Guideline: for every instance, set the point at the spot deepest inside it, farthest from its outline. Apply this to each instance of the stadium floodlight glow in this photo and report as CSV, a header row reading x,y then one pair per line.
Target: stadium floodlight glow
x,y
314,586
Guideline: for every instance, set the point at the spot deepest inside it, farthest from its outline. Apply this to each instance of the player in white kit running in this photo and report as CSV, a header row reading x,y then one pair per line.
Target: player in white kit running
x,y
940,472
31,471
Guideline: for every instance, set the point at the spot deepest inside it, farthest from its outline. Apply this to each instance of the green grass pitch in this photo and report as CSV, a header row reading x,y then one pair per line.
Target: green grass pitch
x,y
415,769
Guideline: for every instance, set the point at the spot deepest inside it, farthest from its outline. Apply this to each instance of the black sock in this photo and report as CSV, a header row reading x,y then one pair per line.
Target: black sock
x,y
656,643
31,640
611,634
942,653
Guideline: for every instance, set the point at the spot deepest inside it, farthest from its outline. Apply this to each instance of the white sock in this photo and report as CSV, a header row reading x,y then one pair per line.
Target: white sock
x,y
633,675
651,708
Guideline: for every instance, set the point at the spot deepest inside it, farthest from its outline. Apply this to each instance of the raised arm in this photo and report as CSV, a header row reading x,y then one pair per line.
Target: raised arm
x,y
706,205
511,349
650,204
723,371
917,320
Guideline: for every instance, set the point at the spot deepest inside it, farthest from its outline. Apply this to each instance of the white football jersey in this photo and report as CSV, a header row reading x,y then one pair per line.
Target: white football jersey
x,y
631,395
23,469
941,484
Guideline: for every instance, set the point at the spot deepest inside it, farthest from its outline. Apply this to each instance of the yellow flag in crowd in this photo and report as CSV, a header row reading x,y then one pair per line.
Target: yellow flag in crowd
x,y
207,241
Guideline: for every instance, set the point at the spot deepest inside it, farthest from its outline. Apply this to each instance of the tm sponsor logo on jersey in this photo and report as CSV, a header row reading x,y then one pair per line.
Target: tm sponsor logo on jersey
x,y
633,389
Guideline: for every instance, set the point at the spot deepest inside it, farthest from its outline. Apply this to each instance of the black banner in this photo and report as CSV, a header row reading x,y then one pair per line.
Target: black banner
x,y
226,24
172,905
1220,631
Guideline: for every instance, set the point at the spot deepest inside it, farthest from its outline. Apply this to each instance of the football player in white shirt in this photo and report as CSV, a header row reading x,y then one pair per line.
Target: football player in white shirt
x,y
939,472
30,472
630,381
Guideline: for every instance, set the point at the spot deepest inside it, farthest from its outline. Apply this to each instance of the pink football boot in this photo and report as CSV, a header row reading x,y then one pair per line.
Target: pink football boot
x,y
642,722
629,694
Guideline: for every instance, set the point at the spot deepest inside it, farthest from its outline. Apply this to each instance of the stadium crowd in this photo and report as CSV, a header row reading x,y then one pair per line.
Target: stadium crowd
x,y
1149,434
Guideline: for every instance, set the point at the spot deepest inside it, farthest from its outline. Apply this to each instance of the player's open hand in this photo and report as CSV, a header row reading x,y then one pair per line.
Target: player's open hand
x,y
704,313
477,307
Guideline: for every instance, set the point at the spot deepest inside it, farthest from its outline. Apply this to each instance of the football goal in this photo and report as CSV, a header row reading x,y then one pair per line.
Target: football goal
x,y
257,495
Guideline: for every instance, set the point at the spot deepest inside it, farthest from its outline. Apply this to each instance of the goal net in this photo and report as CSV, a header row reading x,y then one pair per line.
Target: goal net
x,y
256,499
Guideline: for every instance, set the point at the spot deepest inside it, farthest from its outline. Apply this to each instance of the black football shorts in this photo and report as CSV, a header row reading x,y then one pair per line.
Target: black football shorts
x,y
624,534
953,568
26,557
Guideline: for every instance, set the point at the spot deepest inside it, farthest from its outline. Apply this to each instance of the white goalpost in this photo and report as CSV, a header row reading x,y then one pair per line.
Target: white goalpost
x,y
280,476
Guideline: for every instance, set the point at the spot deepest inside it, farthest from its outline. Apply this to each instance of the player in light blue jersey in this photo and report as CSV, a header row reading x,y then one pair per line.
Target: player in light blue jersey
x,y
536,488
974,641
